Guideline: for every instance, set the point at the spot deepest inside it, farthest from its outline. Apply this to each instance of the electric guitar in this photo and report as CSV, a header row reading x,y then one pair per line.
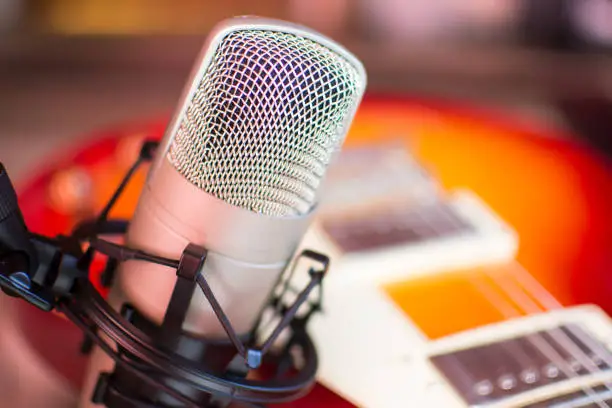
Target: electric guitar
x,y
410,259
480,310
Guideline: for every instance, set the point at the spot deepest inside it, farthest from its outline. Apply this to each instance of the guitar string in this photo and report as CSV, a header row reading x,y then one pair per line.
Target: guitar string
x,y
530,307
529,283
538,292
464,376
506,308
539,341
547,302
528,373
526,280
580,359
598,350
540,345
408,220
562,338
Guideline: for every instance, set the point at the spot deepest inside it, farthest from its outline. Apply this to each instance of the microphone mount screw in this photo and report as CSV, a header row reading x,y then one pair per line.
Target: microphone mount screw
x,y
254,358
21,279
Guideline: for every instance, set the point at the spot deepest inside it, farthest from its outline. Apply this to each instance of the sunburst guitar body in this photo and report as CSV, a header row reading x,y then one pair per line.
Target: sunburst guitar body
x,y
471,260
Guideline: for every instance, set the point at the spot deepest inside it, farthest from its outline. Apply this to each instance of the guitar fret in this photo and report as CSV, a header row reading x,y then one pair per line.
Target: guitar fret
x,y
514,366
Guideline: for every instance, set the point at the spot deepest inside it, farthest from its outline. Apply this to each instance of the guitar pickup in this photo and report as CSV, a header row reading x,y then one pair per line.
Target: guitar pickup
x,y
559,359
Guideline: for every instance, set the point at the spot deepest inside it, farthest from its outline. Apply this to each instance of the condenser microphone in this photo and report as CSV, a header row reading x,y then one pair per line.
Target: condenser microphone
x,y
238,171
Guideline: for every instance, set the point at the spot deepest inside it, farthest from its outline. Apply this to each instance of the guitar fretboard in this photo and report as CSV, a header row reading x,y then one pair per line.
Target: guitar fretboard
x,y
395,226
493,372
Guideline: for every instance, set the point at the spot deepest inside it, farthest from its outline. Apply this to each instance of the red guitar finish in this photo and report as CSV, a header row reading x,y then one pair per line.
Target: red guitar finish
x,y
557,194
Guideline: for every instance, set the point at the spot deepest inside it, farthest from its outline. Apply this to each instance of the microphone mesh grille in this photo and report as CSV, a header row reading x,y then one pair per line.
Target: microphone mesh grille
x,y
269,113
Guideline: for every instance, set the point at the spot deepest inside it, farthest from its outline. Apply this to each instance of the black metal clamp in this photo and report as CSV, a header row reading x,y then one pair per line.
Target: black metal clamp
x,y
172,366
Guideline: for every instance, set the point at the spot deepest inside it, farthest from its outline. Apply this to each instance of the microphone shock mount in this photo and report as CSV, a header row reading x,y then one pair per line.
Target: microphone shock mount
x,y
161,366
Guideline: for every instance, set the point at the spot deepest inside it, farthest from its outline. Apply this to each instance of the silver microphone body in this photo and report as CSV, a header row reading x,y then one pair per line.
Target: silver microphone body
x,y
246,252
238,171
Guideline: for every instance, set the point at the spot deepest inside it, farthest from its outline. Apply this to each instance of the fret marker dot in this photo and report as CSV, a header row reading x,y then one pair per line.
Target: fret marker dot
x,y
551,371
529,376
506,382
596,359
575,366
483,388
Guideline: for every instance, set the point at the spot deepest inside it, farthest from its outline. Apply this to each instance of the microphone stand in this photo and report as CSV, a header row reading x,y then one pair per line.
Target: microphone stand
x,y
160,366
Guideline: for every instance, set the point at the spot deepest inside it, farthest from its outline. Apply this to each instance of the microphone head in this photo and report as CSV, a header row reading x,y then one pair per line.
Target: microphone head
x,y
268,107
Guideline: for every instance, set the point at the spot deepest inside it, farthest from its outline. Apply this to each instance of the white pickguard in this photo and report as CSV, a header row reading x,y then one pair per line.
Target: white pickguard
x,y
373,355
370,352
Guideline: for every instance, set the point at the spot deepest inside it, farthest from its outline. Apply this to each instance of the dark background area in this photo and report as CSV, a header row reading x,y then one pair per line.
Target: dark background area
x,y
70,68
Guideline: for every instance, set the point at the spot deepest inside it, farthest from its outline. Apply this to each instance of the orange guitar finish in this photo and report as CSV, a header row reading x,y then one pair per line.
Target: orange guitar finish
x,y
556,193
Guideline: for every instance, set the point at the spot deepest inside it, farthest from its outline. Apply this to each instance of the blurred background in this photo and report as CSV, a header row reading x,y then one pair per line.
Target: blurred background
x,y
72,68
68,67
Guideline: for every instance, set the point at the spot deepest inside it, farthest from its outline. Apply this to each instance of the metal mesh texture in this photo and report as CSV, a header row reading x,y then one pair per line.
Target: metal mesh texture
x,y
270,112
